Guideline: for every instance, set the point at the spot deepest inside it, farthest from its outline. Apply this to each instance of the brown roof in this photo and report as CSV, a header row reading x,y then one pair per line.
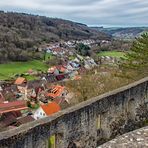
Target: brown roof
x,y
10,119
10,88
51,108
20,80
24,120
12,106
35,84
16,114
9,92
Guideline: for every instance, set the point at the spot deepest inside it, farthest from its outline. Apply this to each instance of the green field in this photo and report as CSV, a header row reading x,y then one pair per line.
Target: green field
x,y
10,69
49,56
112,54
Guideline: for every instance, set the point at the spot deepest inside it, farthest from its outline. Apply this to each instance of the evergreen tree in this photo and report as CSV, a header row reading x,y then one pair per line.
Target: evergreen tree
x,y
83,49
137,59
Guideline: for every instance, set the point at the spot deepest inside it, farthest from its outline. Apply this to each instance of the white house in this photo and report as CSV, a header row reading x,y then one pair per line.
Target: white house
x,y
46,110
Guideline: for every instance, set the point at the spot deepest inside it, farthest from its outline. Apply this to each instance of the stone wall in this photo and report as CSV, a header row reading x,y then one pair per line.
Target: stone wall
x,y
88,124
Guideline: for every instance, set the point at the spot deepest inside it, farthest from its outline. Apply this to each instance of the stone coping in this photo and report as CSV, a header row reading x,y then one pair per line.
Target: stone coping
x,y
134,139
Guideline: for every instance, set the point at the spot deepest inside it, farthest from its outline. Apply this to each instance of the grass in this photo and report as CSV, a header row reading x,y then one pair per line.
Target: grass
x,y
93,84
71,57
49,56
117,54
30,77
10,69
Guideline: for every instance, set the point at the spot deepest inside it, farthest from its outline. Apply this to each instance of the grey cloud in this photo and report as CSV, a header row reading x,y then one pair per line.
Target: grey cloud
x,y
114,12
69,2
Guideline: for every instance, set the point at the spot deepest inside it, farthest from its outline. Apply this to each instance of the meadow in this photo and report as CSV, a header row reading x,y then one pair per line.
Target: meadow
x,y
117,54
9,70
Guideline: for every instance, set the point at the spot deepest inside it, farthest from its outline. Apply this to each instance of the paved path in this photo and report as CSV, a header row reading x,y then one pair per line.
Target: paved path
x,y
135,139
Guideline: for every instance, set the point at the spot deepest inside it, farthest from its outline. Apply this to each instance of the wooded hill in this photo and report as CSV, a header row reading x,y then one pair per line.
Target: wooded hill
x,y
123,33
21,32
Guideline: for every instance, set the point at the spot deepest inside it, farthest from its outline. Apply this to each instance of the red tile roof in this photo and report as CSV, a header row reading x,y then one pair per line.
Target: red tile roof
x,y
61,68
51,108
55,91
20,80
12,106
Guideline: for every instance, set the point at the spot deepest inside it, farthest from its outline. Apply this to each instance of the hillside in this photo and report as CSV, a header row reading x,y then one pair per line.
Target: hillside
x,y
20,33
123,33
20,27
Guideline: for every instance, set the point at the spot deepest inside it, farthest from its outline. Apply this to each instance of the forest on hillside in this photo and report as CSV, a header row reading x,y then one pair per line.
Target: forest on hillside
x,y
21,34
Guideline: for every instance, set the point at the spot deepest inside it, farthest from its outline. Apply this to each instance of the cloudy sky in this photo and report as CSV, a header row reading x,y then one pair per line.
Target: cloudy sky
x,y
90,12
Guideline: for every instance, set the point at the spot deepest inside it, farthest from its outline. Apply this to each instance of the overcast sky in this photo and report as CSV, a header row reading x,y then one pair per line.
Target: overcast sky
x,y
90,12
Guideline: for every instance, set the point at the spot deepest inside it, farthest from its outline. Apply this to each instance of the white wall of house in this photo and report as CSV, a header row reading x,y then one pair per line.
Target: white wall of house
x,y
39,113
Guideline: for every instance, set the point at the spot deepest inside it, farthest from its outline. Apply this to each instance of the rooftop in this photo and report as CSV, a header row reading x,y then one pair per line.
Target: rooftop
x,y
55,91
12,106
20,80
51,108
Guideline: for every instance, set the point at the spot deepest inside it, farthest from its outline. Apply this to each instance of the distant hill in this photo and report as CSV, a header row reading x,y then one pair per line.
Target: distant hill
x,y
123,33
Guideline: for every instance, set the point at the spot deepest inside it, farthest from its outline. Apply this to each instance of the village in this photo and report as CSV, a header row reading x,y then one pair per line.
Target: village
x,y
23,101
73,74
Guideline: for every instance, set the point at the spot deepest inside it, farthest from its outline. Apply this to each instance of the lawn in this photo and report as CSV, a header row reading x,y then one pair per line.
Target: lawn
x,y
49,56
117,54
10,69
